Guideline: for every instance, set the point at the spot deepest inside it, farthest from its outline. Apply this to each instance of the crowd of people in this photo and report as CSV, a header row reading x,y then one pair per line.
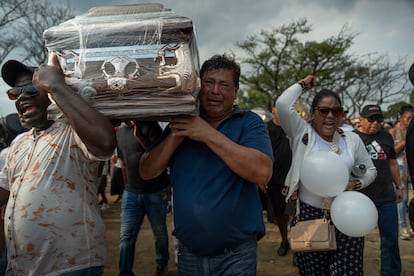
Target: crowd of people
x,y
213,166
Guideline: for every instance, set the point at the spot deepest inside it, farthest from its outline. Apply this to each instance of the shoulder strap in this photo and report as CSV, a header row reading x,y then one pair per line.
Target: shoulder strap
x,y
297,208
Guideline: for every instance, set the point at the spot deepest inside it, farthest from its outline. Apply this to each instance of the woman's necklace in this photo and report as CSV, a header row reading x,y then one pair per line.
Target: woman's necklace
x,y
334,145
335,148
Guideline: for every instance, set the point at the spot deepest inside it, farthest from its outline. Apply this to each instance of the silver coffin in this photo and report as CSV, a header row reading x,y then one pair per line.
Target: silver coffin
x,y
140,61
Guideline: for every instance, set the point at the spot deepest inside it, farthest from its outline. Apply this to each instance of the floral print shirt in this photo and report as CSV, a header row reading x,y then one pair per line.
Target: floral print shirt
x,y
52,221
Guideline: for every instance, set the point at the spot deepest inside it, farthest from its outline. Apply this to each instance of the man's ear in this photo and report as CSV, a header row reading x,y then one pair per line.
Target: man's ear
x,y
236,91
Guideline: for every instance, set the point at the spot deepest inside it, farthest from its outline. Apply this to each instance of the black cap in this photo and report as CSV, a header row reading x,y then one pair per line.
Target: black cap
x,y
370,110
411,73
12,69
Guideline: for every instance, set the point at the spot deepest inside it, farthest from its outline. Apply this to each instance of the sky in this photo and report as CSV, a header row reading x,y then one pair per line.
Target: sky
x,y
384,27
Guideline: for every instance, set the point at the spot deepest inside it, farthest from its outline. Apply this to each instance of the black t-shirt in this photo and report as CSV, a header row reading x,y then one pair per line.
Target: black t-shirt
x,y
409,148
282,154
380,146
130,151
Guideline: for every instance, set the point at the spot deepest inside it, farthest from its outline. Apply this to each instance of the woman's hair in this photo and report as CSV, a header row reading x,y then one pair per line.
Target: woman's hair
x,y
406,108
323,94
274,101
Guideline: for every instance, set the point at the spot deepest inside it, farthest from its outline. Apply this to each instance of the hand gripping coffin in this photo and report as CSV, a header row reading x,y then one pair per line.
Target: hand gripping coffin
x,y
130,61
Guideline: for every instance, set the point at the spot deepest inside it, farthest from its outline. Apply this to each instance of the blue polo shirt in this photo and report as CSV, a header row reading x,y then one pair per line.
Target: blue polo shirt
x,y
215,209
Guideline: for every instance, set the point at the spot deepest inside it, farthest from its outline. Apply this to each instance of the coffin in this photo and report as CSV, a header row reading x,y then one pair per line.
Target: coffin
x,y
140,61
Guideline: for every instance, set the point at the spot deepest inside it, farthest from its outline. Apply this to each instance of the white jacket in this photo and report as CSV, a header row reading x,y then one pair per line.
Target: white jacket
x,y
302,138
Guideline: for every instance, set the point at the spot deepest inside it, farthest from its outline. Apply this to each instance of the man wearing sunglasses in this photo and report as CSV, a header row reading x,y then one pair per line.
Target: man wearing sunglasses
x,y
386,190
52,221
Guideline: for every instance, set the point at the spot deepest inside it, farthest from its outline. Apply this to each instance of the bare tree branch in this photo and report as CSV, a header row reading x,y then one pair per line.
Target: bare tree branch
x,y
22,24
277,59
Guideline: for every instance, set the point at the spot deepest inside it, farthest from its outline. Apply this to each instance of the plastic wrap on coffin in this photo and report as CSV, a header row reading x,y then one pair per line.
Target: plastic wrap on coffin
x,y
142,60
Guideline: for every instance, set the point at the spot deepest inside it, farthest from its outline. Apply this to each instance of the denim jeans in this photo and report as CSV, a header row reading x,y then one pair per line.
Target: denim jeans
x,y
402,206
90,271
240,260
134,208
388,230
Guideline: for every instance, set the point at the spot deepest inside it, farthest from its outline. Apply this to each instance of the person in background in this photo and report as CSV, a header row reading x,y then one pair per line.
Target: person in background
x,y
346,123
398,133
217,162
387,126
323,133
53,225
10,128
356,124
117,177
282,156
104,171
409,143
141,197
380,146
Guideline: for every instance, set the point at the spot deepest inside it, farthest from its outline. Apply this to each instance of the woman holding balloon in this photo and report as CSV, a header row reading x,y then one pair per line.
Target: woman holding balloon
x,y
316,178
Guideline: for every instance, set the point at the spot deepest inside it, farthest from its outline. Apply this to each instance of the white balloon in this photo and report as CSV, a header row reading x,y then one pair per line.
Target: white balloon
x,y
324,173
354,214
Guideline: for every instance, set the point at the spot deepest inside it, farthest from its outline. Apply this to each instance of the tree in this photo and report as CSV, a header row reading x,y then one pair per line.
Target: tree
x,y
411,98
10,11
277,58
22,24
393,110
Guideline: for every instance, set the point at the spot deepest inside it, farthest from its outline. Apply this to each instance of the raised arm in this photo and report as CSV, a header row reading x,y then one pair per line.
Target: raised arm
x,y
92,127
289,118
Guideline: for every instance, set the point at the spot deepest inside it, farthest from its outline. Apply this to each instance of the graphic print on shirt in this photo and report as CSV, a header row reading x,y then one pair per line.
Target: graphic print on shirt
x,y
376,151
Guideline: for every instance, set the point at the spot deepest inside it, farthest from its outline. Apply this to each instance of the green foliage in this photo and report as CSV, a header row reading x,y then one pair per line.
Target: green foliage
x,y
22,24
277,59
392,112
411,97
248,100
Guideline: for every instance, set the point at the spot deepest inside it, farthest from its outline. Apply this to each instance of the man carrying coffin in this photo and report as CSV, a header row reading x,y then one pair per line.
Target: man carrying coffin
x,y
52,221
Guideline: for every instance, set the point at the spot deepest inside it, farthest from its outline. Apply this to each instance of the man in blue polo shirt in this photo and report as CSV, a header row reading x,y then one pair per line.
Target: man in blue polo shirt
x,y
217,160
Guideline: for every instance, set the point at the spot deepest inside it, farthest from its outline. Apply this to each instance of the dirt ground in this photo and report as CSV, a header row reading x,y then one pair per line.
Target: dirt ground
x,y
269,263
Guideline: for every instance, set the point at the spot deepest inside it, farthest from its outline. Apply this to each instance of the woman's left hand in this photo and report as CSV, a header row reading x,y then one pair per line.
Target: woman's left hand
x,y
351,185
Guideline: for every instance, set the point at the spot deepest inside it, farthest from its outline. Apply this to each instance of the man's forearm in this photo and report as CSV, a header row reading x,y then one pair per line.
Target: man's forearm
x,y
155,161
248,163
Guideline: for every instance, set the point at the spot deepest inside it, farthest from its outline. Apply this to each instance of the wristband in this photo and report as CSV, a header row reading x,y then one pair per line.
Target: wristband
x,y
305,87
358,184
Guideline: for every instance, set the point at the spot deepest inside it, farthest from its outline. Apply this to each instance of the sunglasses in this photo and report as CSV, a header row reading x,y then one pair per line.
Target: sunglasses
x,y
372,119
15,92
324,110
